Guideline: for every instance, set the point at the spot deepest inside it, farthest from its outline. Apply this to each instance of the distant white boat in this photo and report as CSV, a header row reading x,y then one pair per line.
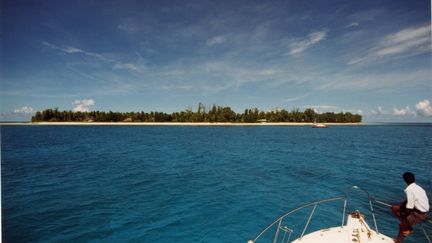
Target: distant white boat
x,y
352,230
319,125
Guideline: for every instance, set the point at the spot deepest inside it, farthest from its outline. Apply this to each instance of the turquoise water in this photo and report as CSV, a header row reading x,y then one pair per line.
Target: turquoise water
x,y
195,184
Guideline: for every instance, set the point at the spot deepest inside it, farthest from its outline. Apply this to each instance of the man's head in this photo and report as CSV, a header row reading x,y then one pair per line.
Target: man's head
x,y
408,177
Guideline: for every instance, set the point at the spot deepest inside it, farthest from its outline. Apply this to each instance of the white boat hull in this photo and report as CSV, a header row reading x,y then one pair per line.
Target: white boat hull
x,y
355,231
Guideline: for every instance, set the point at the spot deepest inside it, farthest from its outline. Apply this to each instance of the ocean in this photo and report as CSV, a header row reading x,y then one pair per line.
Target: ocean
x,y
197,183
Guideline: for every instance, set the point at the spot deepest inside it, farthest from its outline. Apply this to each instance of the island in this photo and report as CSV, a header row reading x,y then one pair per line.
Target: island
x,y
202,115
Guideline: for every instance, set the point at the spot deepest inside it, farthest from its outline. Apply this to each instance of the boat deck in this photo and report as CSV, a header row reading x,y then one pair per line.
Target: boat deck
x,y
352,229
355,231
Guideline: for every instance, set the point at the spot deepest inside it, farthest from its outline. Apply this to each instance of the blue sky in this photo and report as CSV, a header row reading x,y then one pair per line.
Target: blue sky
x,y
367,57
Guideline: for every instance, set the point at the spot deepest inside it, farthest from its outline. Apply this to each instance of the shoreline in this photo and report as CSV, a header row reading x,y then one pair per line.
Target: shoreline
x,y
173,124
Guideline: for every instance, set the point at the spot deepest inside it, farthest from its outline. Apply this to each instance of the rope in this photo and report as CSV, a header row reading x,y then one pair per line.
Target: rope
x,y
421,224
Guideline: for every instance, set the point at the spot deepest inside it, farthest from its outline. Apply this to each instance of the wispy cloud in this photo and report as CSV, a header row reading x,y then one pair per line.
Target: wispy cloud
x,y
64,49
127,66
313,38
24,110
352,24
103,59
129,26
71,50
423,108
216,40
378,111
290,99
367,15
216,75
407,42
375,81
83,105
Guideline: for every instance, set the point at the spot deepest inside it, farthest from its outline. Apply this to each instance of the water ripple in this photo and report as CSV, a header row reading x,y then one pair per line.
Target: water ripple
x,y
192,184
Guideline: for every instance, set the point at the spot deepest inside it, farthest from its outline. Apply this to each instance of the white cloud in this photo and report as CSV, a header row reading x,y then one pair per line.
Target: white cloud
x,y
128,26
267,72
127,66
375,81
294,98
407,42
403,111
178,87
24,110
83,105
65,49
216,40
353,24
378,111
312,39
423,108
117,65
73,50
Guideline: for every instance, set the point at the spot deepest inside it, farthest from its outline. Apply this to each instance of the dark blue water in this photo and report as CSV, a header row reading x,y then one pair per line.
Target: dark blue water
x,y
194,184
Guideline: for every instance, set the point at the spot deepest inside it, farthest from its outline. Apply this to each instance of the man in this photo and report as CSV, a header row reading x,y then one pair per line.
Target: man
x,y
413,210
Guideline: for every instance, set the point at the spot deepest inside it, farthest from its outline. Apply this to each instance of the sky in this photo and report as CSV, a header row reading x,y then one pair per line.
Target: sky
x,y
366,57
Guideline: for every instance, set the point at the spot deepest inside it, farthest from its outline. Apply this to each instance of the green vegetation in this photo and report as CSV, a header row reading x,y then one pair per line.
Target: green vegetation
x,y
212,114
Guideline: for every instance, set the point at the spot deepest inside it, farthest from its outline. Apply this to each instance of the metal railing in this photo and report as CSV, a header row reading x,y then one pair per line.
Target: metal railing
x,y
287,230
280,219
370,206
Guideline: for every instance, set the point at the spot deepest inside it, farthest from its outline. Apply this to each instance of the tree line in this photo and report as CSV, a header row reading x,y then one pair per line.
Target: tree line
x,y
202,114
